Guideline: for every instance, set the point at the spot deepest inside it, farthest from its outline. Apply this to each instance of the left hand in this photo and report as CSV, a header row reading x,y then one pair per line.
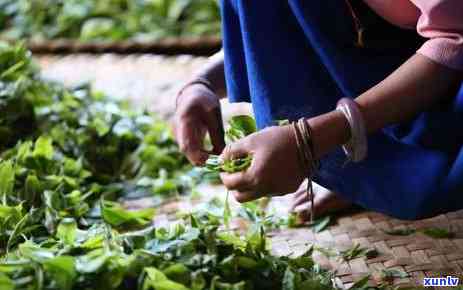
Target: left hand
x,y
275,168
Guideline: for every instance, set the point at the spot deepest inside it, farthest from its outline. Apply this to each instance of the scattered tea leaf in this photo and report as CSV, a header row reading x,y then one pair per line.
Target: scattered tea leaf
x,y
361,284
438,233
355,252
400,232
321,224
387,274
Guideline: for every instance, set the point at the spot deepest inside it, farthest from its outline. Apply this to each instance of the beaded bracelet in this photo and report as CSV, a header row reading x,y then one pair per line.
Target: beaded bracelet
x,y
308,162
357,148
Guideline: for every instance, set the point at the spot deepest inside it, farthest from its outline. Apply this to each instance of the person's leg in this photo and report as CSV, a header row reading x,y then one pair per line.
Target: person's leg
x,y
325,202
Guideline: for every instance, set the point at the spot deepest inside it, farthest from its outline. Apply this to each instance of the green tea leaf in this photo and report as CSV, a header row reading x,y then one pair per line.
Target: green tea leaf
x,y
157,280
355,252
18,228
6,283
289,280
93,261
240,127
387,274
62,271
214,164
438,233
361,284
33,189
114,214
321,224
178,273
67,231
43,148
400,232
7,179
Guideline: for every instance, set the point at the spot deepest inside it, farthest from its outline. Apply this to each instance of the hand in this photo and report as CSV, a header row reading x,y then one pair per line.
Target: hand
x,y
275,168
198,112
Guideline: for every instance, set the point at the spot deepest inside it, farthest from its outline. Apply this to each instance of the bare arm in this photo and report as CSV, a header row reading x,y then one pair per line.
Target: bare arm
x,y
198,112
414,87
213,71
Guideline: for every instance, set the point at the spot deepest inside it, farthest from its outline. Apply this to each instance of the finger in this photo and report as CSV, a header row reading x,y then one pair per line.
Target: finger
x,y
234,150
197,158
246,196
303,212
190,143
215,129
303,216
240,181
298,200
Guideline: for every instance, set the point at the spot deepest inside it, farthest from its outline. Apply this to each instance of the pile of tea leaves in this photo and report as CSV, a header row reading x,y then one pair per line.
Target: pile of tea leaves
x,y
108,20
68,157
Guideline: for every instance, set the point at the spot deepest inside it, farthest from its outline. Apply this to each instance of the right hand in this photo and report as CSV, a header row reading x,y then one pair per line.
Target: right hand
x,y
198,111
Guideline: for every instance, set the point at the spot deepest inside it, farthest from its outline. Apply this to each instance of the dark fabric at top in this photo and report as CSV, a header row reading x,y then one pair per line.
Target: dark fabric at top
x,y
298,58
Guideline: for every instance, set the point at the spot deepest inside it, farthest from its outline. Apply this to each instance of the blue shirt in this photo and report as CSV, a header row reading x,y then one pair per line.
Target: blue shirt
x,y
297,58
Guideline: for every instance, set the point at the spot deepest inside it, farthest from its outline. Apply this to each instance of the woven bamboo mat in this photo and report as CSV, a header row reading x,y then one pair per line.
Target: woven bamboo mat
x,y
416,254
205,45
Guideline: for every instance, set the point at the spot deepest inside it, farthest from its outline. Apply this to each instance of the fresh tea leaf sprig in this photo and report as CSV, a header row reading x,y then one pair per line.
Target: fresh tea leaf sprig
x,y
239,127
321,224
215,164
357,251
437,233
400,232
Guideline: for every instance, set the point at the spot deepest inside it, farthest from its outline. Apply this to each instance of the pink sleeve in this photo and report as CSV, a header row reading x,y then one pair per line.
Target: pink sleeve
x,y
442,22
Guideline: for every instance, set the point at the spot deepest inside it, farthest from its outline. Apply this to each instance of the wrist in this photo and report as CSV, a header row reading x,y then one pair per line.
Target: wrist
x,y
201,82
330,131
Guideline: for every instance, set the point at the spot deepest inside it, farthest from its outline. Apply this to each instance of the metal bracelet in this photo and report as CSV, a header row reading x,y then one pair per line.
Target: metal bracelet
x,y
309,163
357,148
299,144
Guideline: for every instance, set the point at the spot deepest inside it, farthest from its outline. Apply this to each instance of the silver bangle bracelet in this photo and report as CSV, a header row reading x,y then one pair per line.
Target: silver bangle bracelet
x,y
357,148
